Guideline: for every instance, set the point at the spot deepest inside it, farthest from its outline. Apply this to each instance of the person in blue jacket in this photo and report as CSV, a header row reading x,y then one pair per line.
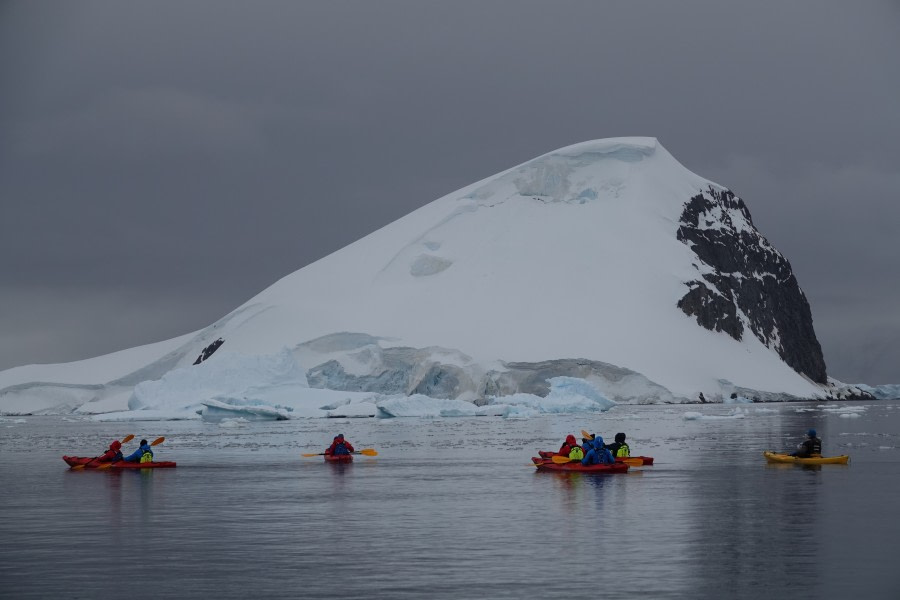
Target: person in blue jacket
x,y
142,454
597,453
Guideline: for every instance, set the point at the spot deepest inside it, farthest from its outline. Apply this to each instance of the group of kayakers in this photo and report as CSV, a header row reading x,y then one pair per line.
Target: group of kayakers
x,y
114,454
144,454
592,450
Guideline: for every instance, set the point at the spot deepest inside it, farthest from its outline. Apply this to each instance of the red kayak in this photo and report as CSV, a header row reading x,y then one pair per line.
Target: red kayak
x,y
648,460
544,464
90,463
339,458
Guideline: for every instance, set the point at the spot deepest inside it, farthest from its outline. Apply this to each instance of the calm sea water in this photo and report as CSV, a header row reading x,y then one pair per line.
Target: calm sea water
x,y
450,508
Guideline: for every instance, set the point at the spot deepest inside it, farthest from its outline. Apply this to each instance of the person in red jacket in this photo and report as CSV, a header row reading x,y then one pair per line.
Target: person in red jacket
x,y
567,446
339,446
114,454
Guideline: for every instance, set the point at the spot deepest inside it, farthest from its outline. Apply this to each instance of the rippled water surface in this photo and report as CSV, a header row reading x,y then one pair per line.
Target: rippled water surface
x,y
450,508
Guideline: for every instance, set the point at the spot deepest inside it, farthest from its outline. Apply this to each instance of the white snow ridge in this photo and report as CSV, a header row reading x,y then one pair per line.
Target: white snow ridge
x,y
567,266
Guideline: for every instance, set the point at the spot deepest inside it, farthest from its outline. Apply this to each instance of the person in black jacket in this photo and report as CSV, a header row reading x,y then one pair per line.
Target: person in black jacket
x,y
811,446
619,447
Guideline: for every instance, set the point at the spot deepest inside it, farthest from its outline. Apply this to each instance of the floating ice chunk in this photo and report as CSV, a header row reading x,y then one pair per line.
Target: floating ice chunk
x,y
735,414
567,395
842,409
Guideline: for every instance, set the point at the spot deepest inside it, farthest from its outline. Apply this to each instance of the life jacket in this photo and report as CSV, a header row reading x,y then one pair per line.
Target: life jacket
x,y
576,453
815,446
147,456
623,450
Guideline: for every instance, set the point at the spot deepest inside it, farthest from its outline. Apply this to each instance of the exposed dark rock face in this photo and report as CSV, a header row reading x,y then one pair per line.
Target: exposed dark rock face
x,y
746,283
208,351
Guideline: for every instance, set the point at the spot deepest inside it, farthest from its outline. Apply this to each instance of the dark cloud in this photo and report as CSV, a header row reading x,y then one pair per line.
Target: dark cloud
x,y
162,162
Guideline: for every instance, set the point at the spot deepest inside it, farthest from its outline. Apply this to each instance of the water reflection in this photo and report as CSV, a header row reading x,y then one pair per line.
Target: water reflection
x,y
461,516
569,487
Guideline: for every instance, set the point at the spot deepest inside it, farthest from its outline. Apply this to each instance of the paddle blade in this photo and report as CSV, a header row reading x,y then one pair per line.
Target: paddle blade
x,y
560,460
127,438
634,462
368,452
157,441
587,435
104,466
77,467
319,454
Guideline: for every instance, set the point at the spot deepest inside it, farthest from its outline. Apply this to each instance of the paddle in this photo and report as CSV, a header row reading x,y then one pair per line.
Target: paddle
x,y
127,438
155,442
364,451
632,462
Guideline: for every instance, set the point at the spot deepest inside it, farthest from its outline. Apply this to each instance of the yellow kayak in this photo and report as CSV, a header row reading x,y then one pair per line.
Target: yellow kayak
x,y
775,457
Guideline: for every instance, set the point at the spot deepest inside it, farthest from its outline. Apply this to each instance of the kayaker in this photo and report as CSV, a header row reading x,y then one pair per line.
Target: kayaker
x,y
619,447
143,454
339,446
567,446
597,454
811,446
114,454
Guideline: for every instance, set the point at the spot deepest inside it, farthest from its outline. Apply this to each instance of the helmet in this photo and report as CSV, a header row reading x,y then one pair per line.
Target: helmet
x,y
811,433
620,437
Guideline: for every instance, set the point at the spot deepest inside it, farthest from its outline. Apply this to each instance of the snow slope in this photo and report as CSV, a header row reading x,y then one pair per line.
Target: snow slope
x,y
572,255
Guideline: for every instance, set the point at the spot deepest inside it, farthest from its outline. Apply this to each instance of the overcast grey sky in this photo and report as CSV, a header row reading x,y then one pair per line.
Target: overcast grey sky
x,y
162,162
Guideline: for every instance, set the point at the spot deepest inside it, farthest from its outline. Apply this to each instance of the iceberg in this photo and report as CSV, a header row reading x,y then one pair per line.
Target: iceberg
x,y
567,395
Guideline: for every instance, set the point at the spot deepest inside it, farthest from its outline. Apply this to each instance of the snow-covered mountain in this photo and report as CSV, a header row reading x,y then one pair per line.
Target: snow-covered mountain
x,y
606,260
